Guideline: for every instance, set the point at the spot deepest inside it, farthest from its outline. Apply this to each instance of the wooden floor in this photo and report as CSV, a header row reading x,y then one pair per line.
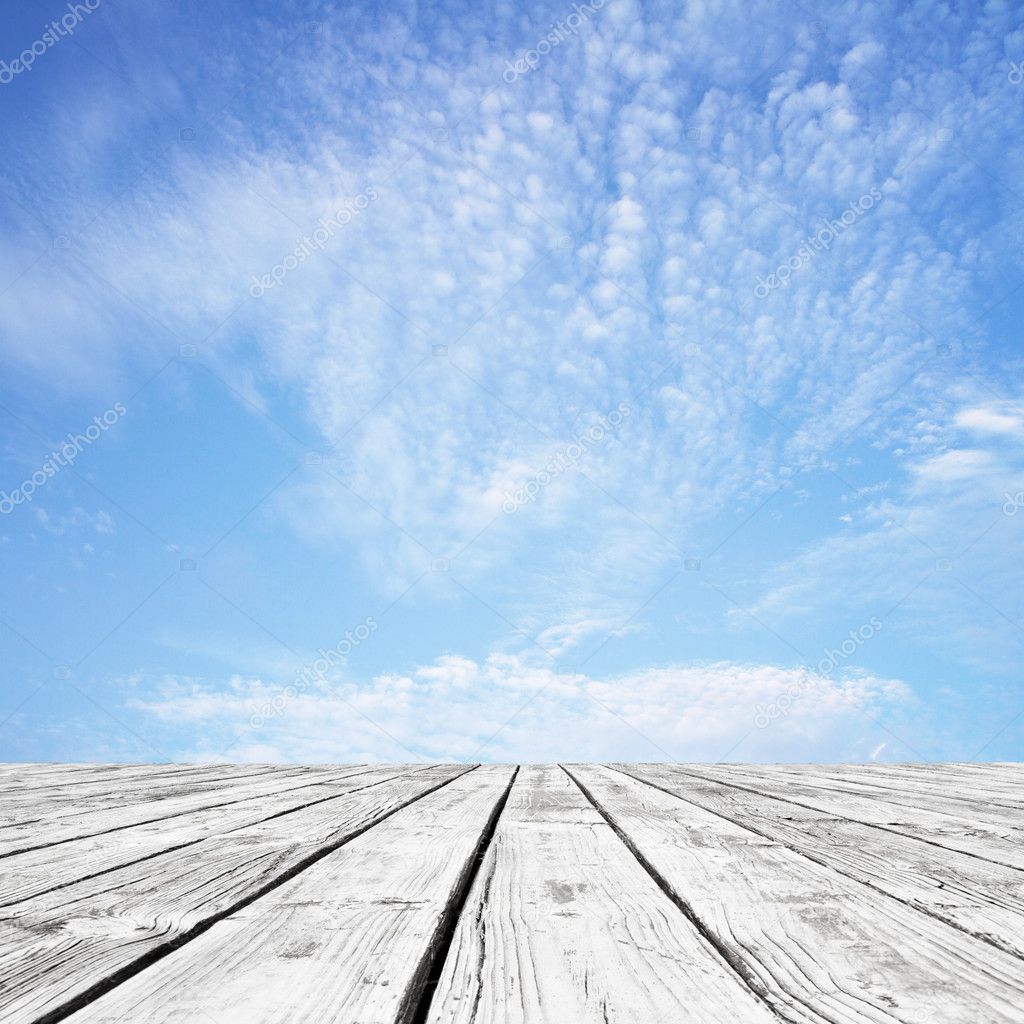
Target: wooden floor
x,y
555,894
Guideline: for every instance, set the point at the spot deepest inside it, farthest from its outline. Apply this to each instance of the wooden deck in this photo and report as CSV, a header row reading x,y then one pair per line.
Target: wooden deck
x,y
555,894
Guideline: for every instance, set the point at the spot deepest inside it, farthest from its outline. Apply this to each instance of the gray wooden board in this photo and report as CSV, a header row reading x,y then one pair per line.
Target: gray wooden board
x,y
983,899
957,786
344,941
564,925
654,894
76,801
34,872
821,947
57,947
979,839
37,834
18,779
958,800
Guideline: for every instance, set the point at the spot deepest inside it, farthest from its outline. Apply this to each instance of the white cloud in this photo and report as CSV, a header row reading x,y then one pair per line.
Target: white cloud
x,y
959,464
505,708
682,152
986,420
77,517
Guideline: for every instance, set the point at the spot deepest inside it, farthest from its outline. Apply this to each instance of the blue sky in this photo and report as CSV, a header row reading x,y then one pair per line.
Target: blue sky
x,y
511,382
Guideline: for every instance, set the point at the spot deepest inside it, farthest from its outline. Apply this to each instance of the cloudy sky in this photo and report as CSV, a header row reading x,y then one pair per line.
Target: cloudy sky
x,y
620,380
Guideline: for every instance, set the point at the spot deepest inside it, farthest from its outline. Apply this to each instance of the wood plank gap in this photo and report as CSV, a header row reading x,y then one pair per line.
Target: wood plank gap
x,y
415,1005
733,960
121,975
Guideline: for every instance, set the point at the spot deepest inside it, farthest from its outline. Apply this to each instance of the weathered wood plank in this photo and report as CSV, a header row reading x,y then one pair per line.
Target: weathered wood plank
x,y
985,841
18,776
38,871
107,774
899,878
563,925
822,947
19,838
881,784
58,803
983,899
34,778
348,939
944,781
64,945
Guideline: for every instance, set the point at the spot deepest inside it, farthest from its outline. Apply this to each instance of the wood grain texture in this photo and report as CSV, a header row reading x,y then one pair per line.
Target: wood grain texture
x,y
38,871
822,947
954,832
56,948
72,806
67,824
27,778
982,899
959,784
400,894
564,925
23,780
958,801
344,941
